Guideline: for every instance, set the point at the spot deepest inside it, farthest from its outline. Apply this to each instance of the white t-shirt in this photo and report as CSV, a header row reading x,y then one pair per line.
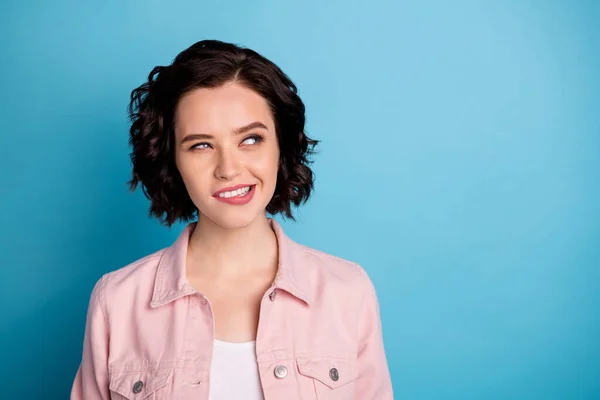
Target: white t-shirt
x,y
234,372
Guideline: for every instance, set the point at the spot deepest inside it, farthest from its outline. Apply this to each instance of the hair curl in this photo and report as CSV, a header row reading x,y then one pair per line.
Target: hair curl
x,y
210,64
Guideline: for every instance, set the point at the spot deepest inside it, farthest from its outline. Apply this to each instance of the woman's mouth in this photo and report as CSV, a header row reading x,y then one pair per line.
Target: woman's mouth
x,y
239,196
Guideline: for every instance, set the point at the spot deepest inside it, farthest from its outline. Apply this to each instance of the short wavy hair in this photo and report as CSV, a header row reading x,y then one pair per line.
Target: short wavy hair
x,y
210,64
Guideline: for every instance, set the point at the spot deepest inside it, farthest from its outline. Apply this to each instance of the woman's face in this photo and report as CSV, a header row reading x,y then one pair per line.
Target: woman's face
x,y
225,137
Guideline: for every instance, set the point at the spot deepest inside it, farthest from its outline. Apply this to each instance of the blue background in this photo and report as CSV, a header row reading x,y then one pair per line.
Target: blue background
x,y
459,165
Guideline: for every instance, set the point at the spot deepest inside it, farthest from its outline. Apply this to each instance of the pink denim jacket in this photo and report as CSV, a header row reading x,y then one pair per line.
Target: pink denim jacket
x,y
149,334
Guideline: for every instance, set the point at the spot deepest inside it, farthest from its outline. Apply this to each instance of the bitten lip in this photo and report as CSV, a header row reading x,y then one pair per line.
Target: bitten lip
x,y
230,189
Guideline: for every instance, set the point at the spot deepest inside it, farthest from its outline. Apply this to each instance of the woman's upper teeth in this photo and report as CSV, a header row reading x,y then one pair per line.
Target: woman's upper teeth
x,y
238,192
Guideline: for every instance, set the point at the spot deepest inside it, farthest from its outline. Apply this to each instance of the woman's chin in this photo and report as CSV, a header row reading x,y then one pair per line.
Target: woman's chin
x,y
235,218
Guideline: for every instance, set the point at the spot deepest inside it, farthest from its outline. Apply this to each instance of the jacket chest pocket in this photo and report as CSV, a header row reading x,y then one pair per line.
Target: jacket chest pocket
x,y
151,384
332,378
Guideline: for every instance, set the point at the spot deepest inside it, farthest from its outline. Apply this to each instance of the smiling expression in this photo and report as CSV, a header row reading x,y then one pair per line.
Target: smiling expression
x,y
225,141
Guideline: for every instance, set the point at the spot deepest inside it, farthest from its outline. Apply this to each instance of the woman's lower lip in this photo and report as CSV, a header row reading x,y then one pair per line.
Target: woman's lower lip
x,y
238,200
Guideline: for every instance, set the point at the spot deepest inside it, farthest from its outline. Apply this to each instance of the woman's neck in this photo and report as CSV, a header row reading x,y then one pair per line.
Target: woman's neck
x,y
225,252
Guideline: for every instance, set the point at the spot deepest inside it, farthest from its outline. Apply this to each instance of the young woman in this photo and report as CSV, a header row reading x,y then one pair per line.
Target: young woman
x,y
234,308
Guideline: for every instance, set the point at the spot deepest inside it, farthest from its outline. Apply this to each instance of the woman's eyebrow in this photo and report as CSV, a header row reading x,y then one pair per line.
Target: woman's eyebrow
x,y
249,127
238,131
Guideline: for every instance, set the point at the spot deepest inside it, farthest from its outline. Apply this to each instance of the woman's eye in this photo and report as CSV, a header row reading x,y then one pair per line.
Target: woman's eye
x,y
256,138
198,146
250,140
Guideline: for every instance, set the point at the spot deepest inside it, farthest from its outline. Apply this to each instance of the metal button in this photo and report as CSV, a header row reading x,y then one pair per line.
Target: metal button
x,y
138,386
272,295
334,374
281,371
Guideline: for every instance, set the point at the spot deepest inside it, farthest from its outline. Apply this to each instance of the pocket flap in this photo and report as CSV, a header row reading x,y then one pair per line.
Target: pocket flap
x,y
333,372
139,384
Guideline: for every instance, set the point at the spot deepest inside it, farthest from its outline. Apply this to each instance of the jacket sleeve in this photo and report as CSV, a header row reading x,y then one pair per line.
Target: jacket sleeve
x,y
373,381
91,380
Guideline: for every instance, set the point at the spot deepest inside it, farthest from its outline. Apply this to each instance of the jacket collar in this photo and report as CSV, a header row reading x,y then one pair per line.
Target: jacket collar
x,y
171,283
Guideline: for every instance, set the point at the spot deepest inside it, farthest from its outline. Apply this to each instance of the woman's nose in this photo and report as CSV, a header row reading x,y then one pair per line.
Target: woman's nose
x,y
228,166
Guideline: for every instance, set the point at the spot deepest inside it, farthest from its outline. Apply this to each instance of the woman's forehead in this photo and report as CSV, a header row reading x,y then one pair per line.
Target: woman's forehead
x,y
226,108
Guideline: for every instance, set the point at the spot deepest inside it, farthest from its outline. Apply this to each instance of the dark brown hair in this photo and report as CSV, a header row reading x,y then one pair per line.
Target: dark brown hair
x,y
210,64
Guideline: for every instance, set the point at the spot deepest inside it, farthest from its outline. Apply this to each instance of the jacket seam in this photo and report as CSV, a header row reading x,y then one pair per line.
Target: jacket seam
x,y
157,290
103,306
361,341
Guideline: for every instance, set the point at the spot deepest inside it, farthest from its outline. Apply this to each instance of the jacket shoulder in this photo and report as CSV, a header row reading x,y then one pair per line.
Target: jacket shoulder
x,y
333,265
140,272
137,267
